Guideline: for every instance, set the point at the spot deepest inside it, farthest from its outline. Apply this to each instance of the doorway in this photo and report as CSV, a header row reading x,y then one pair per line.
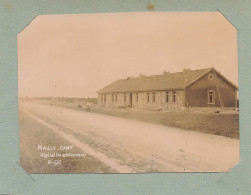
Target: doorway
x,y
130,99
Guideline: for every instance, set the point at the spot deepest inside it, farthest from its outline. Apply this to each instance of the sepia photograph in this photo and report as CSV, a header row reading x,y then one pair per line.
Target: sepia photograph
x,y
140,92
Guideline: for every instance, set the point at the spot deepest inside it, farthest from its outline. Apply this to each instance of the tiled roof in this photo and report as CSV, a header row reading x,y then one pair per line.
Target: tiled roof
x,y
165,81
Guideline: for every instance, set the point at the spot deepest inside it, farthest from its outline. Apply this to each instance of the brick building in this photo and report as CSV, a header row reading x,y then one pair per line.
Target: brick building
x,y
204,88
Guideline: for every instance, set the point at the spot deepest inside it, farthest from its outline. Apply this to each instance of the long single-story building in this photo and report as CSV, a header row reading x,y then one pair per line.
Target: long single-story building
x,y
189,89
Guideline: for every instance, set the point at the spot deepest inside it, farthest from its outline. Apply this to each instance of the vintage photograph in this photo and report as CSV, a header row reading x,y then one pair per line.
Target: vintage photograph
x,y
128,93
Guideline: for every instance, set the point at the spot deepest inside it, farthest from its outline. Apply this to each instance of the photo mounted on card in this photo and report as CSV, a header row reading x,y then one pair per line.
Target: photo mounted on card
x,y
128,93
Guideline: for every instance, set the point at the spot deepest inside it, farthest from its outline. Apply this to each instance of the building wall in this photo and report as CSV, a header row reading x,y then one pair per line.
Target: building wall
x,y
159,103
160,100
197,93
116,102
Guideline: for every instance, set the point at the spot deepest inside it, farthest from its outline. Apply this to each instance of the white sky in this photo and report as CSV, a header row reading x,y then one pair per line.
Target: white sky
x,y
76,55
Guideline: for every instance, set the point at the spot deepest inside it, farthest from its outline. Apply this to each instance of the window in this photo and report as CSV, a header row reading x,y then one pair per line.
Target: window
x,y
112,97
116,97
101,98
147,97
104,97
174,96
167,96
210,76
137,97
153,96
124,97
211,97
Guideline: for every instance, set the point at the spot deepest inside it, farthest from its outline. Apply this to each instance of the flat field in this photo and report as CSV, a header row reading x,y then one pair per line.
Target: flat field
x,y
224,124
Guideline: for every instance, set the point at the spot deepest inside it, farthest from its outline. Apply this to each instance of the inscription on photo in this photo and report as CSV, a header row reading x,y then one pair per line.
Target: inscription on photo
x,y
41,147
55,158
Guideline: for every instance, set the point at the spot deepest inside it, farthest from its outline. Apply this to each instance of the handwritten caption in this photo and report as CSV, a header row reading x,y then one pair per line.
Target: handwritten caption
x,y
50,153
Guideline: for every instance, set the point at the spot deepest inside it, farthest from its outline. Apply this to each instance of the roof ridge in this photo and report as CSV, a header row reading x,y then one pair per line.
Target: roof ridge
x,y
163,74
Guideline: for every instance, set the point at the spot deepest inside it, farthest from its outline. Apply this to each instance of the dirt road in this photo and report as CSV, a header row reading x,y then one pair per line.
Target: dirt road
x,y
129,146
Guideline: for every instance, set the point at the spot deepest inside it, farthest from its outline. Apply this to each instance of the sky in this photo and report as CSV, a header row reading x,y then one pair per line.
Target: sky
x,y
77,55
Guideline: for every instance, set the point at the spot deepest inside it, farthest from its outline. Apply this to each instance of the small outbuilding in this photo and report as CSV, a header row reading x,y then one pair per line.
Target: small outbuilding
x,y
190,89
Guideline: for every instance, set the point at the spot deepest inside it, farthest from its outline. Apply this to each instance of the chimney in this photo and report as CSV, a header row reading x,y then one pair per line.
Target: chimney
x,y
186,75
186,69
165,72
129,77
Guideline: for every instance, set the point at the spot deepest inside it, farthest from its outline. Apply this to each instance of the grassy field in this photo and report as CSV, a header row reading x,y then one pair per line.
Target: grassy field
x,y
212,123
32,133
